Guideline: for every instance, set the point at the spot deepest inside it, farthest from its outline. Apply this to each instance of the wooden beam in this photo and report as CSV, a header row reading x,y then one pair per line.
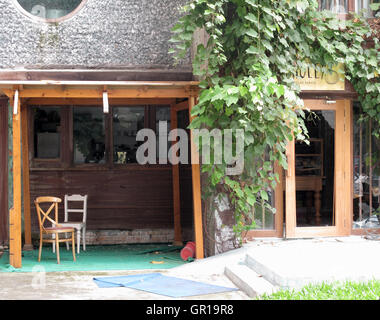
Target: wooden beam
x,y
176,188
94,92
15,251
162,84
94,89
25,178
94,102
197,201
182,106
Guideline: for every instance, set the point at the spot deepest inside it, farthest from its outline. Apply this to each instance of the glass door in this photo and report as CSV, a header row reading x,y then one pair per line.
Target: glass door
x,y
315,181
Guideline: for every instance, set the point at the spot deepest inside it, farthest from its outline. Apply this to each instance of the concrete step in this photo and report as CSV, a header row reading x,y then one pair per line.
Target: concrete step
x,y
274,277
263,270
247,280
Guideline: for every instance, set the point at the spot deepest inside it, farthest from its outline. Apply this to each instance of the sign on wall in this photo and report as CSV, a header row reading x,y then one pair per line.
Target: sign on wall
x,y
312,79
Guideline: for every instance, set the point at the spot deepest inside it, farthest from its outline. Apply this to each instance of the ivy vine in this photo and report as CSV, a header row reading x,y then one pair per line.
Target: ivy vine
x,y
248,67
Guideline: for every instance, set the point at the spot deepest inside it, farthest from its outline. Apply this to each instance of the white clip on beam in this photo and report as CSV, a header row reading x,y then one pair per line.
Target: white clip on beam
x,y
15,103
105,102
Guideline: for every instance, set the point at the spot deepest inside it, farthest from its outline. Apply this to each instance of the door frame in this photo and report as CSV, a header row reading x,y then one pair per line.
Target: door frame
x,y
343,175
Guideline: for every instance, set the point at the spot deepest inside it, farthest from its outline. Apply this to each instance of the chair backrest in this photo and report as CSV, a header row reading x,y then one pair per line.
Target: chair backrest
x,y
43,215
76,198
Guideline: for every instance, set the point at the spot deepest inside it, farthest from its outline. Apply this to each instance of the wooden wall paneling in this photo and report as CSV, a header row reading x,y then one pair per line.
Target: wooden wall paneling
x,y
133,199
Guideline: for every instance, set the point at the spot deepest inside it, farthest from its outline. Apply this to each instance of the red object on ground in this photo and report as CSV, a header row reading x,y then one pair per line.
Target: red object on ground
x,y
188,251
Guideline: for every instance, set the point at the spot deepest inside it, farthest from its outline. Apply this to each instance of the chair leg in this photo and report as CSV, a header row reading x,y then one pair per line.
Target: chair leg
x,y
53,244
78,240
67,243
73,244
57,246
84,238
40,250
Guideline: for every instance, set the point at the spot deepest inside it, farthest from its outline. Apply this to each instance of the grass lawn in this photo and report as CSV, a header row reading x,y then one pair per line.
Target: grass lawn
x,y
330,291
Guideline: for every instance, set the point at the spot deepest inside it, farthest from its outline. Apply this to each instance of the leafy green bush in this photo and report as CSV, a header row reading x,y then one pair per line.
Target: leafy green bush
x,y
248,66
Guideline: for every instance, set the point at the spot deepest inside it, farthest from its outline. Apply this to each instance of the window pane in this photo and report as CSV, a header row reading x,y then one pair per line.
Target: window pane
x,y
365,5
264,217
127,121
162,114
337,6
47,127
49,9
89,136
183,121
315,173
366,174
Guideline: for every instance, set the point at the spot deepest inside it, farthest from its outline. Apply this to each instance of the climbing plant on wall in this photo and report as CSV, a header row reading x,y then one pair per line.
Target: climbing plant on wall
x,y
248,66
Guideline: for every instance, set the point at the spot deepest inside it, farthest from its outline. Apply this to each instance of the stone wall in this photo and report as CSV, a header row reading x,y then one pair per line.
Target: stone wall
x,y
106,237
124,34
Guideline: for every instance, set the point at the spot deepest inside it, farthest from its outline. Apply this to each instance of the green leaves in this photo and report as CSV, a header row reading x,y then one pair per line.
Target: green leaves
x,y
247,68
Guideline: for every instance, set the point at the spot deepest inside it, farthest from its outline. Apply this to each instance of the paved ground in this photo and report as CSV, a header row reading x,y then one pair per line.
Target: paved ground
x,y
297,260
295,263
80,286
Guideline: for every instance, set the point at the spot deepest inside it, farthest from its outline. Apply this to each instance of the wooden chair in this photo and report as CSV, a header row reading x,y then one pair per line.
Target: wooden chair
x,y
55,229
79,226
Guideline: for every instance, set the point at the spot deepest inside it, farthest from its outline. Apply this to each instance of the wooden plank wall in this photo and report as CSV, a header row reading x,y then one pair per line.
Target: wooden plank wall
x,y
3,171
118,199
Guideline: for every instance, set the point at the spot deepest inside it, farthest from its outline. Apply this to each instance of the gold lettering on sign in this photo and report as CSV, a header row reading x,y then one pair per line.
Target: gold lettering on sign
x,y
312,79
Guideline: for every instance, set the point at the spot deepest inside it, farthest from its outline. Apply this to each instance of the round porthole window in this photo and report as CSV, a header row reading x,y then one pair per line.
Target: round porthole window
x,y
50,10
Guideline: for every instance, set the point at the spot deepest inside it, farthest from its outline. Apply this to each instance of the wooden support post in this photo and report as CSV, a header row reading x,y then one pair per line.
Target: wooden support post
x,y
176,190
197,202
290,188
25,178
15,213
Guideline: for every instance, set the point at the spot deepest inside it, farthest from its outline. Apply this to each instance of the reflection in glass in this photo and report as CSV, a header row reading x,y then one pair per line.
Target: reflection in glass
x,y
336,6
127,121
366,202
49,9
89,135
315,183
47,127
365,5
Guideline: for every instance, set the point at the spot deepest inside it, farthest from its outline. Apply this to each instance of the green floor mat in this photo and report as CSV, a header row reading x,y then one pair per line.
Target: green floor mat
x,y
109,257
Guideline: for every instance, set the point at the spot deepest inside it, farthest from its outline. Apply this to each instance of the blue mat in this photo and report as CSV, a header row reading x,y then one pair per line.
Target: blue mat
x,y
161,284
